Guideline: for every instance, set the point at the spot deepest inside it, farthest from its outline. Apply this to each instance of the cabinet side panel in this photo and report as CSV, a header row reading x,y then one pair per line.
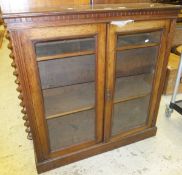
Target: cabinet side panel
x,y
25,87
170,29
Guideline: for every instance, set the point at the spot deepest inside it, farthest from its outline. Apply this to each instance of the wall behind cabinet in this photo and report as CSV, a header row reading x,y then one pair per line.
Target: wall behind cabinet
x,y
31,4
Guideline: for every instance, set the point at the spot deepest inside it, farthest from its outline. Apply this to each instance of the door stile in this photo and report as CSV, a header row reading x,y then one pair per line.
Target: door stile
x,y
100,79
36,95
110,74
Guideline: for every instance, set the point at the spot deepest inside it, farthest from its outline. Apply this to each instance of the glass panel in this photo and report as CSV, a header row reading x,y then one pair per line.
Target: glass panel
x,y
68,84
129,114
139,39
71,129
133,86
134,79
67,71
136,61
64,46
134,72
69,98
68,91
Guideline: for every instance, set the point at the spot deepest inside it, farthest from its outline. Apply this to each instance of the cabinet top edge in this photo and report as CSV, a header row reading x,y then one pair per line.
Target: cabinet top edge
x,y
10,10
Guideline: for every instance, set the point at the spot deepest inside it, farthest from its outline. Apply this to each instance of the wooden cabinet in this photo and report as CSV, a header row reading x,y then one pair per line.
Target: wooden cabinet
x,y
90,79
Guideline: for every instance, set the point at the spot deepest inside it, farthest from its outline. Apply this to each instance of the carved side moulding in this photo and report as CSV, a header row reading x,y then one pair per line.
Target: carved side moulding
x,y
19,88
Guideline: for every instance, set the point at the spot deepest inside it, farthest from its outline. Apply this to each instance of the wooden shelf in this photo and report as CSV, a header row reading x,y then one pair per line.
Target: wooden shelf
x,y
131,98
70,112
137,46
80,97
132,87
66,100
65,55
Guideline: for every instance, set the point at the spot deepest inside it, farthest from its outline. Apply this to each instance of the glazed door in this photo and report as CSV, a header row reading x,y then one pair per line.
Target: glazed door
x,y
134,63
69,66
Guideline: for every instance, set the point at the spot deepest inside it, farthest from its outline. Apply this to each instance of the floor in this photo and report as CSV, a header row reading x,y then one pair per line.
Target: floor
x,y
159,155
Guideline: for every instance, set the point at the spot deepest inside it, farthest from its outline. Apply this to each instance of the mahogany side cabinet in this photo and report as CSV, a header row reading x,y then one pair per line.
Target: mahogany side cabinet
x,y
90,77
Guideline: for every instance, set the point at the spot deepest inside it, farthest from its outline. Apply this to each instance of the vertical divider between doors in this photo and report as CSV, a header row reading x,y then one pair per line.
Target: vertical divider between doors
x,y
110,74
100,74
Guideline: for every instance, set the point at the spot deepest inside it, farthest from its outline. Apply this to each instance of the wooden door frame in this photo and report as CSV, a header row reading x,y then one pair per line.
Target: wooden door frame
x,y
113,30
33,89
